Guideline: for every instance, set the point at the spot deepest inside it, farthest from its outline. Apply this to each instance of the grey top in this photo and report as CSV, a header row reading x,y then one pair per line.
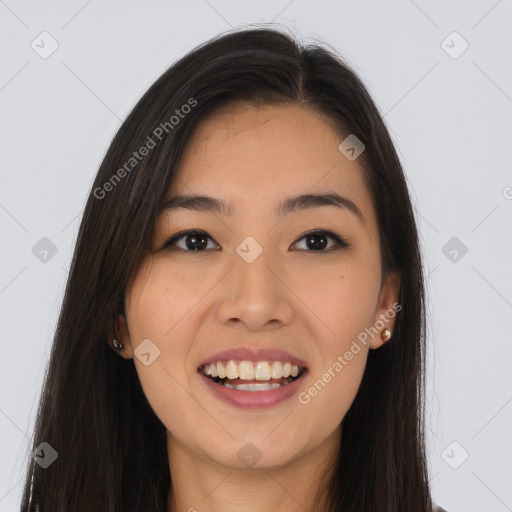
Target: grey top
x,y
437,508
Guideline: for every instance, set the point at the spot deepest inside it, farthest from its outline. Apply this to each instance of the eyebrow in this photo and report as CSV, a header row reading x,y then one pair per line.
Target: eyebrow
x,y
204,203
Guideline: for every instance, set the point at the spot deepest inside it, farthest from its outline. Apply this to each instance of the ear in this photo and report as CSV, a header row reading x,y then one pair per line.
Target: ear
x,y
388,308
123,335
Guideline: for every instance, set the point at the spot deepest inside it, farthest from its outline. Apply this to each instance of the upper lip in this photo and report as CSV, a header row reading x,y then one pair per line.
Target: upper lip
x,y
254,354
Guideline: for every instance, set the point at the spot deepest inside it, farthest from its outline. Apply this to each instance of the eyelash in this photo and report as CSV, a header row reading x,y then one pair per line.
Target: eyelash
x,y
340,241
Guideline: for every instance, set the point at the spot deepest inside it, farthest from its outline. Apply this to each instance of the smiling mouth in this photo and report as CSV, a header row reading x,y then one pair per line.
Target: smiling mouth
x,y
252,376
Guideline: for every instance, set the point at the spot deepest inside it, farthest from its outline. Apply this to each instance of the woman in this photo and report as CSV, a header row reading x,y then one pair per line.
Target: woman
x,y
243,324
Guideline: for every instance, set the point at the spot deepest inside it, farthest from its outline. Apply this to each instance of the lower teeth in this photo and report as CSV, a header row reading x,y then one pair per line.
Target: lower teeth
x,y
253,387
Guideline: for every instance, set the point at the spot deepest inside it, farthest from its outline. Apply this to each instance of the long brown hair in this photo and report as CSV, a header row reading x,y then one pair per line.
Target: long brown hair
x,y
111,446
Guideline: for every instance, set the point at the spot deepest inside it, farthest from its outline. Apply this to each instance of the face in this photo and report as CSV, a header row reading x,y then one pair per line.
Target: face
x,y
252,278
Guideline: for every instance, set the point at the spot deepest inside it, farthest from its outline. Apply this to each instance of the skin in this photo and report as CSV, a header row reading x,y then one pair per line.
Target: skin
x,y
311,303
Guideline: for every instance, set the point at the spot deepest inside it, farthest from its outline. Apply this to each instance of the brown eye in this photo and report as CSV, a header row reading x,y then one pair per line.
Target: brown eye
x,y
317,241
188,241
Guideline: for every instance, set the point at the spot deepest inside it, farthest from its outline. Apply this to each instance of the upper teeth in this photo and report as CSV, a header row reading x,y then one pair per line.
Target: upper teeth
x,y
249,370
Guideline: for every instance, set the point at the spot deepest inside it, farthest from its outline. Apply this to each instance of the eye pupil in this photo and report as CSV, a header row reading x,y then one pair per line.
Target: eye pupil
x,y
194,239
314,239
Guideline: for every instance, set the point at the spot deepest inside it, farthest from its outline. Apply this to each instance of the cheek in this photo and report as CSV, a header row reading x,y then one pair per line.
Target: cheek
x,y
158,308
161,297
330,391
344,299
345,302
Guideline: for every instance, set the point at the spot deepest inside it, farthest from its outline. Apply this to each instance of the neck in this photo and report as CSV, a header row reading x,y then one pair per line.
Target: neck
x,y
199,484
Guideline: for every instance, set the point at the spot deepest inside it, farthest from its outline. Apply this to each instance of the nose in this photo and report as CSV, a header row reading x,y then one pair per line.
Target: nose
x,y
255,295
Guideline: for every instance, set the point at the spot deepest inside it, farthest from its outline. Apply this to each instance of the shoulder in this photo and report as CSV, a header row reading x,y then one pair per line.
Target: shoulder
x,y
437,508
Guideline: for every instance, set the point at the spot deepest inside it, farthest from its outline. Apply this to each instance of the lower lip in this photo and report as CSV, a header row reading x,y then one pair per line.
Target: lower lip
x,y
253,399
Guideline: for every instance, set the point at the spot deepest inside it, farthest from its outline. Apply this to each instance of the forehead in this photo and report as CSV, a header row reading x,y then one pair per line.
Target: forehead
x,y
248,155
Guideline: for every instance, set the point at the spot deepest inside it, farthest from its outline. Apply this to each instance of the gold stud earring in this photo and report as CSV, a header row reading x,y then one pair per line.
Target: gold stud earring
x,y
385,334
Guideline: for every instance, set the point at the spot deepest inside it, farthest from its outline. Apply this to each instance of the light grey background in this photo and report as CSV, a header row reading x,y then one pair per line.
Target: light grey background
x,y
451,121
